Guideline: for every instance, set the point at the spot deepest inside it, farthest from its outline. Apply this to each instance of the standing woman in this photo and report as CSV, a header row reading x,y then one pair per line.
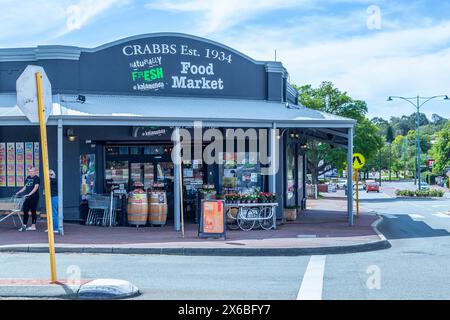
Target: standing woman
x,y
31,189
54,194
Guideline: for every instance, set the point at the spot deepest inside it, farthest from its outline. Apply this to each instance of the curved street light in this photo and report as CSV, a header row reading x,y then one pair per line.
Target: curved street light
x,y
416,102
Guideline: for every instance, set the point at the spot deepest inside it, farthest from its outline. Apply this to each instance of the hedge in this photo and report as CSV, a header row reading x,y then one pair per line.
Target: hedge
x,y
419,193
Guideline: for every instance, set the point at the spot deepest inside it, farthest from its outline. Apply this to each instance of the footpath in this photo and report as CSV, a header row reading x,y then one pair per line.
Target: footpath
x,y
321,229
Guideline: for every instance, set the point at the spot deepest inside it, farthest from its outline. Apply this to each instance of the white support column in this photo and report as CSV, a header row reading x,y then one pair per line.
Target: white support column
x,y
350,176
60,178
273,163
177,179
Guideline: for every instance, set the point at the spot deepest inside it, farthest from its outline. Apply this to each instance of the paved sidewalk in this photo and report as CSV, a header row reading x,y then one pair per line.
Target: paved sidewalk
x,y
323,228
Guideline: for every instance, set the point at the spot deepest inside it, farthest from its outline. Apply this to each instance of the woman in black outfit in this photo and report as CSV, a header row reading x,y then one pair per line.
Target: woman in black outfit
x,y
31,189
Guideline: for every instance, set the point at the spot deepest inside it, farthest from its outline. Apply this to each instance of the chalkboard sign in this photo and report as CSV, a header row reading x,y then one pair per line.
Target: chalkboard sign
x,y
212,220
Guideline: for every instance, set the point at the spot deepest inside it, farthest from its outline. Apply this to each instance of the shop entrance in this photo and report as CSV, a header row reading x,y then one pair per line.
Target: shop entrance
x,y
129,165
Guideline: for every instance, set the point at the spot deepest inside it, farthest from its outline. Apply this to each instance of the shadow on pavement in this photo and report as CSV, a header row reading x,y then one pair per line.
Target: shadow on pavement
x,y
403,227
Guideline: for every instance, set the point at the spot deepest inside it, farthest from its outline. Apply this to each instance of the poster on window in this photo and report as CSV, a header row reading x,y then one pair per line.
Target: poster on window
x,y
2,165
11,164
28,155
36,156
87,174
20,164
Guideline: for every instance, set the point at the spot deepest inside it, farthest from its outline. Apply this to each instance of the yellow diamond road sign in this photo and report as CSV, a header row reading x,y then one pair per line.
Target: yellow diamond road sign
x,y
358,161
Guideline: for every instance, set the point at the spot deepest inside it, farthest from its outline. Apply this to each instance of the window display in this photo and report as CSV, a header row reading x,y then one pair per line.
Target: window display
x,y
116,173
241,176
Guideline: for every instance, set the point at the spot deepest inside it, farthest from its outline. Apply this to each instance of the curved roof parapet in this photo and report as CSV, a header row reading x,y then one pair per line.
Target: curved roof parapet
x,y
73,53
170,34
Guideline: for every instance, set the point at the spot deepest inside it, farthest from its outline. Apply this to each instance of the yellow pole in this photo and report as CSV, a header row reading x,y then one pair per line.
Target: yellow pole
x,y
48,202
357,192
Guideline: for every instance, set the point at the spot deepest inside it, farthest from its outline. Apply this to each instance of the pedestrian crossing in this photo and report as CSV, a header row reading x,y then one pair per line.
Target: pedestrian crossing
x,y
442,215
416,217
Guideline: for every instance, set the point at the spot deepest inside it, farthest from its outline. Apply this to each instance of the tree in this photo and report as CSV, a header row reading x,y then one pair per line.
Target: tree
x,y
327,98
441,150
437,119
381,123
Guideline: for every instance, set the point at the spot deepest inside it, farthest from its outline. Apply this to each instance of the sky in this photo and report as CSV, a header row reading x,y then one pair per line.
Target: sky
x,y
370,49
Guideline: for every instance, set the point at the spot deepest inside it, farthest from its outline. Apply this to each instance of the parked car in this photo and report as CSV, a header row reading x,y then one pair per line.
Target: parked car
x,y
365,183
424,185
341,184
372,186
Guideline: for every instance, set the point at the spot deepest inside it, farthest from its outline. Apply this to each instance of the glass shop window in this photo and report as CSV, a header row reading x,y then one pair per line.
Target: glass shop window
x,y
154,150
290,174
116,173
241,173
136,150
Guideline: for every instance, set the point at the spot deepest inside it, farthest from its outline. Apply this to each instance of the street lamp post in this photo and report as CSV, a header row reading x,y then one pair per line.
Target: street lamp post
x,y
418,105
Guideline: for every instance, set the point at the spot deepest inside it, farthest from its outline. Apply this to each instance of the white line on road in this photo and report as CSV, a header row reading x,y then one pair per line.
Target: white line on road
x,y
416,216
440,206
441,215
312,284
390,216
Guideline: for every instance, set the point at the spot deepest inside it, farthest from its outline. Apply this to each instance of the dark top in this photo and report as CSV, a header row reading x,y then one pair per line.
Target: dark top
x,y
53,187
30,182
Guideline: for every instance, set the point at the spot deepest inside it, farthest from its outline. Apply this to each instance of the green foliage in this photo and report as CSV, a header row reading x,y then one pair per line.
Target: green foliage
x,y
441,150
419,193
328,98
367,140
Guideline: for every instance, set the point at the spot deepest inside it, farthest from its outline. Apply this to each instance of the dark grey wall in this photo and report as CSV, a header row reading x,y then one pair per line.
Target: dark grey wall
x,y
110,70
29,134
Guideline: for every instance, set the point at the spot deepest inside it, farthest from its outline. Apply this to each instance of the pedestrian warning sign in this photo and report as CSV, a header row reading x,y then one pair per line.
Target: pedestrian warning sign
x,y
358,161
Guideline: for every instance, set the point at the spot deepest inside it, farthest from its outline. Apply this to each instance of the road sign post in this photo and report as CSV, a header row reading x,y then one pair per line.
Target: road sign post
x,y
358,162
48,201
35,101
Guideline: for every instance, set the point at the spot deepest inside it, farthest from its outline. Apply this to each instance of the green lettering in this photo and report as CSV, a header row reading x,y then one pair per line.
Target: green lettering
x,y
160,73
147,76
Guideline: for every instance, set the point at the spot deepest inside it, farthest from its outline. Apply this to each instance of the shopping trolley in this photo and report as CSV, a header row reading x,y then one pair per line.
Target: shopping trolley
x,y
98,209
11,207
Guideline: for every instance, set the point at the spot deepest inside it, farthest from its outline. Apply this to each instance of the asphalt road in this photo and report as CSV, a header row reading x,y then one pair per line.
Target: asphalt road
x,y
416,267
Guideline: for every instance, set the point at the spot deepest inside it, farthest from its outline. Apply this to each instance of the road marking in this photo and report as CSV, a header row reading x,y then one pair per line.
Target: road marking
x,y
439,206
390,216
416,216
312,283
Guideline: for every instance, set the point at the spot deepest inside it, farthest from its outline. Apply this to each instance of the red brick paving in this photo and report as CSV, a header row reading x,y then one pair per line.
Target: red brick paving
x,y
39,282
326,220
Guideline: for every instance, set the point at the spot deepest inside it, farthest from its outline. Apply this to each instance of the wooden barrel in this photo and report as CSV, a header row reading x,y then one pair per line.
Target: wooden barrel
x,y
157,208
137,208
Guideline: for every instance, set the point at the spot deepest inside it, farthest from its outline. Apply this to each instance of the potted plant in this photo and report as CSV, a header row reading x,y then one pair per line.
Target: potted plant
x,y
290,213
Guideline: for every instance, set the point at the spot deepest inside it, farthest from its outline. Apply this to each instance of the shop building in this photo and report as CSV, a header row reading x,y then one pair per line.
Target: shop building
x,y
116,107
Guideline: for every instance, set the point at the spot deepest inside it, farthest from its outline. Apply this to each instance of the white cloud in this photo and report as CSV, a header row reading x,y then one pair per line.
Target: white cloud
x,y
28,18
80,13
372,67
218,15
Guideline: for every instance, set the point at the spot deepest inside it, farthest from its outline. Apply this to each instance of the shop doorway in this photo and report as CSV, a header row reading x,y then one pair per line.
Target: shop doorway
x,y
128,165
